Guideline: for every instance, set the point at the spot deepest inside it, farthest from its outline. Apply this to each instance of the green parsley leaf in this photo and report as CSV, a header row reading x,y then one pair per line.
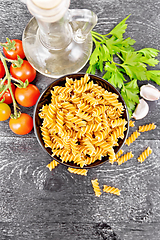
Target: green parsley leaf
x,y
149,61
131,90
116,77
149,52
131,58
94,57
129,93
119,29
153,75
130,104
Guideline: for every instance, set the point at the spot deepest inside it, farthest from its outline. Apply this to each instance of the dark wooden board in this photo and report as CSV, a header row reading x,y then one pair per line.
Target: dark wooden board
x,y
38,204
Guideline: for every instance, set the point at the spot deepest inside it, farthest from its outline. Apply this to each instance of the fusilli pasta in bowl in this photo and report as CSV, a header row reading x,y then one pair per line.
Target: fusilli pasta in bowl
x,y
81,120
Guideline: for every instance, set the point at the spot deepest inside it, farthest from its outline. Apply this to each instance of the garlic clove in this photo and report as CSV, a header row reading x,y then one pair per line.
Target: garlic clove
x,y
141,110
149,92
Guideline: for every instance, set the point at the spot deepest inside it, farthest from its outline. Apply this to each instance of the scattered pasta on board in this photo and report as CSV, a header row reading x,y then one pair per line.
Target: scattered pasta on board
x,y
78,171
96,188
144,155
147,127
131,123
83,123
132,137
124,158
113,190
52,165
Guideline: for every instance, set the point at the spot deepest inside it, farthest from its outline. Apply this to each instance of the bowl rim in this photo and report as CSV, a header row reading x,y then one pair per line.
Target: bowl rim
x,y
80,74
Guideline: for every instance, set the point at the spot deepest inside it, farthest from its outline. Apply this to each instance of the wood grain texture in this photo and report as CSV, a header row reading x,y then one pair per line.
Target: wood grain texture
x,y
38,204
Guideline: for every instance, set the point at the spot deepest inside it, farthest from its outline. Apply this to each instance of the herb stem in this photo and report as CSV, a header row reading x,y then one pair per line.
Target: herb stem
x,y
97,36
120,57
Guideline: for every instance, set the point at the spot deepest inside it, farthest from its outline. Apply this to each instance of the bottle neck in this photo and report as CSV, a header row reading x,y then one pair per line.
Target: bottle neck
x,y
54,30
55,35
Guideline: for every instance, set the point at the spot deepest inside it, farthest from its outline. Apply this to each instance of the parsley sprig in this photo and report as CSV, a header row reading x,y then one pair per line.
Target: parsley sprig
x,y
121,64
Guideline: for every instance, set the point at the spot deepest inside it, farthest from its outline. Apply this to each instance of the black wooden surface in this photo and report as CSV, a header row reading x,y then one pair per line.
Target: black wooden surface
x,y
38,204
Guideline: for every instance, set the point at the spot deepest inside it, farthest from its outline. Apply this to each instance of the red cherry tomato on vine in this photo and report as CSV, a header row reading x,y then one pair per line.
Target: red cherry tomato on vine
x,y
26,71
12,54
22,125
28,96
5,111
2,70
7,94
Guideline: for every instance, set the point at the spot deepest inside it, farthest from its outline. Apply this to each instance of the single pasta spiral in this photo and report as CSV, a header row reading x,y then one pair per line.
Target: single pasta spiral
x,y
52,165
144,155
84,88
118,122
125,158
81,82
132,138
78,171
96,187
43,111
69,82
46,137
131,123
147,127
113,190
60,122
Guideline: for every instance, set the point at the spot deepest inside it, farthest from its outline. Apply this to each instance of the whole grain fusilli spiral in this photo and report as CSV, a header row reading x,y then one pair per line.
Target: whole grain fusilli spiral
x,y
113,190
144,155
52,165
96,187
78,171
125,158
131,123
132,138
147,127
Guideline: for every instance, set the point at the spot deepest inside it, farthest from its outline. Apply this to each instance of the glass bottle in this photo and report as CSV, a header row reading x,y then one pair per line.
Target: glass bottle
x,y
57,40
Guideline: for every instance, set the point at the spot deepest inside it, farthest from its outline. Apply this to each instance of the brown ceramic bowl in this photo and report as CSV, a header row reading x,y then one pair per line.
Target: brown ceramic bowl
x,y
45,98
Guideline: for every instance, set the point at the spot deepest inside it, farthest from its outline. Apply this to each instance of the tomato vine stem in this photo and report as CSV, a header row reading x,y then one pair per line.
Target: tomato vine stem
x,y
8,85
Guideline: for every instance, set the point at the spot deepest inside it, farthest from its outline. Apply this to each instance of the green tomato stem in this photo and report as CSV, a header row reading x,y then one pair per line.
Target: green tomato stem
x,y
8,86
8,60
5,88
16,80
3,80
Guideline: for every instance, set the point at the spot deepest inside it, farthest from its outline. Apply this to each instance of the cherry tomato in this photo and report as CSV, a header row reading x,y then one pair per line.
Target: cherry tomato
x,y
21,125
28,96
2,70
7,94
26,71
5,111
12,54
